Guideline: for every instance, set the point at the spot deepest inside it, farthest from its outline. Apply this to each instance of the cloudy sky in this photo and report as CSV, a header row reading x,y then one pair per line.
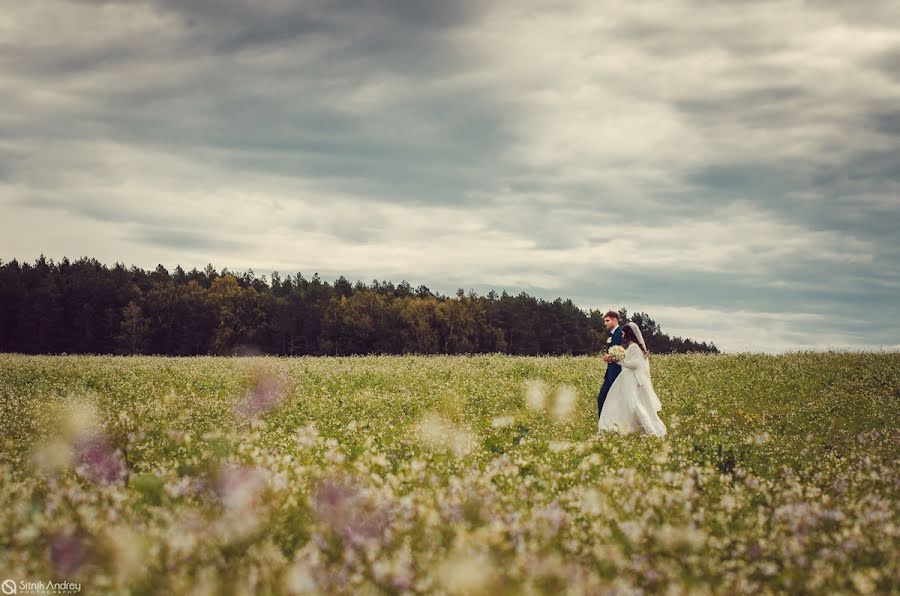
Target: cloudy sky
x,y
733,168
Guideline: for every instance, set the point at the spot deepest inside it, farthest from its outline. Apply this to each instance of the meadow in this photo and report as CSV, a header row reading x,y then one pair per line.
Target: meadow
x,y
448,474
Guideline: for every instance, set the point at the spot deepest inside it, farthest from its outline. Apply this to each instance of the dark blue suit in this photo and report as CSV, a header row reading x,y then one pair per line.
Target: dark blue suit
x,y
612,371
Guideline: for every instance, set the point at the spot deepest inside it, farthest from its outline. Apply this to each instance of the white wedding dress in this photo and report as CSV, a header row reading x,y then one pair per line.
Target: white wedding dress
x,y
631,404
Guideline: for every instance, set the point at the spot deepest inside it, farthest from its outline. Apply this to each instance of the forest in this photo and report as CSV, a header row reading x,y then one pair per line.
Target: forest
x,y
87,307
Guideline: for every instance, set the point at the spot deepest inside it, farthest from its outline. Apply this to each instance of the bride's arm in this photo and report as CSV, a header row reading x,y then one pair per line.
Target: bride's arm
x,y
633,356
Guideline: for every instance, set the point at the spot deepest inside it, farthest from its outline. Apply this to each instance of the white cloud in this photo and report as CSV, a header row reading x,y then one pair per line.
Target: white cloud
x,y
751,331
255,220
596,105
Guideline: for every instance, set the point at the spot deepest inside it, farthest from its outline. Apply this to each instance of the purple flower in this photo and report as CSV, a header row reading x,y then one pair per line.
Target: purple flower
x,y
332,497
240,487
96,460
652,576
349,514
262,397
67,553
555,516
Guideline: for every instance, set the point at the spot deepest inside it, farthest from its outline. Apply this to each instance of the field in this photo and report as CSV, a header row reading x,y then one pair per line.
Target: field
x,y
448,475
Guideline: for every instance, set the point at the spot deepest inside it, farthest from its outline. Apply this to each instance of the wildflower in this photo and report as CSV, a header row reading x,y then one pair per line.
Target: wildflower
x,y
564,406
129,552
307,436
675,537
79,418
240,487
339,503
52,456
631,529
464,573
557,446
266,393
299,579
438,433
97,461
502,421
592,502
535,395
67,553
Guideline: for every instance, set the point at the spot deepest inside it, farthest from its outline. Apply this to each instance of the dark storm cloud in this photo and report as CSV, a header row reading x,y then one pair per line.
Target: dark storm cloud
x,y
888,63
855,194
374,27
260,16
288,119
765,107
887,122
183,239
95,210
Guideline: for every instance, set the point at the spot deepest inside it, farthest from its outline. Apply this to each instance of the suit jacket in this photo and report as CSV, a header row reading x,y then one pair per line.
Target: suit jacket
x,y
613,369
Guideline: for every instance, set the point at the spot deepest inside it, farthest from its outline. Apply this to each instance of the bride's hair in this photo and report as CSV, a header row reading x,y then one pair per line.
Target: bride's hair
x,y
629,336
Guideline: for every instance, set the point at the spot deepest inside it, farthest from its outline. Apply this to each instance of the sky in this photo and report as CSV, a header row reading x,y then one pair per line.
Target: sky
x,y
730,168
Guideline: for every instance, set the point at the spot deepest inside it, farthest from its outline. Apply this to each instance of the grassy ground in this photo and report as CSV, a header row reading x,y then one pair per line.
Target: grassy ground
x,y
448,474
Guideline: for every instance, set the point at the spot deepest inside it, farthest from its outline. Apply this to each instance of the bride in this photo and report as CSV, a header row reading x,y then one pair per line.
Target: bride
x,y
631,404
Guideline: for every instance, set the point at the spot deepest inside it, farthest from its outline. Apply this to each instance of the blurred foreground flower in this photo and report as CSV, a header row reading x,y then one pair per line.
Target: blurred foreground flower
x,y
398,571
464,573
52,456
564,406
98,461
240,487
439,433
79,417
307,436
502,421
299,579
557,446
78,440
674,538
346,510
129,552
67,553
535,395
267,392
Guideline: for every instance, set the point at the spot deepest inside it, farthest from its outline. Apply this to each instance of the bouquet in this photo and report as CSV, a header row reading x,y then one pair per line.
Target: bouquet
x,y
617,353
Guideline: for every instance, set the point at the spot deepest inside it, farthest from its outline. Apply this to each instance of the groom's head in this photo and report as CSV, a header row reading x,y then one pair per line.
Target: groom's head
x,y
611,320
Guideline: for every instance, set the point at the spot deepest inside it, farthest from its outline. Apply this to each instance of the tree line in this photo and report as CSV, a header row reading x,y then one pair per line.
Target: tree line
x,y
85,307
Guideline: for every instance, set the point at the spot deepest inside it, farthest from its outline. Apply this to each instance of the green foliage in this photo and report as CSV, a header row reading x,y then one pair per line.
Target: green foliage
x,y
85,307
150,487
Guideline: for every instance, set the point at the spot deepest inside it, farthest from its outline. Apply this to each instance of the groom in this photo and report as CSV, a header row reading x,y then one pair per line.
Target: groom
x,y
611,322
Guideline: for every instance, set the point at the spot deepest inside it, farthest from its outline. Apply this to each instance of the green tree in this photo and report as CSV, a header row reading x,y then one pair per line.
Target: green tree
x,y
133,335
240,313
419,333
456,325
